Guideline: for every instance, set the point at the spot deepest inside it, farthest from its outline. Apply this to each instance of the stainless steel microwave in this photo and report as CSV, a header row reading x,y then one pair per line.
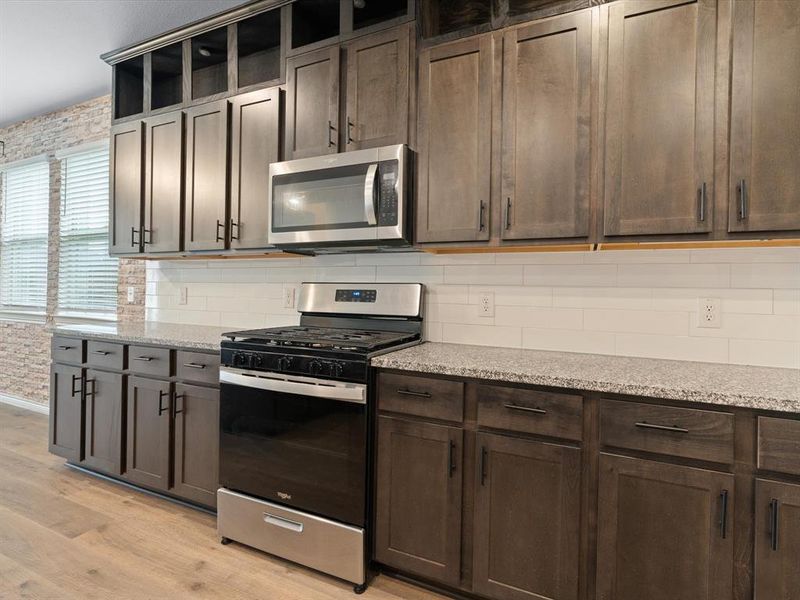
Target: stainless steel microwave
x,y
353,200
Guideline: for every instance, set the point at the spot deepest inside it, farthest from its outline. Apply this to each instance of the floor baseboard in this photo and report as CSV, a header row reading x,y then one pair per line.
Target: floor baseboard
x,y
26,404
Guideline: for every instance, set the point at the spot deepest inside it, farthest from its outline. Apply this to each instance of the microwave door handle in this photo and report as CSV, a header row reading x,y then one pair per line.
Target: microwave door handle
x,y
369,194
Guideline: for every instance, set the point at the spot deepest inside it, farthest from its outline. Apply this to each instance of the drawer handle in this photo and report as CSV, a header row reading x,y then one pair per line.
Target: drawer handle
x,y
723,520
413,393
538,411
194,366
284,523
673,428
101,352
65,347
143,358
773,524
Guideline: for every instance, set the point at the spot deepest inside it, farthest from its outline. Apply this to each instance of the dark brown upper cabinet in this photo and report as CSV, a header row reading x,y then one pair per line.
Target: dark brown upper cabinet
x,y
665,531
255,143
209,63
259,52
377,97
454,141
546,128
129,87
105,403
777,540
206,174
163,183
659,114
527,519
442,17
66,412
312,106
418,498
166,76
765,117
148,432
314,22
125,187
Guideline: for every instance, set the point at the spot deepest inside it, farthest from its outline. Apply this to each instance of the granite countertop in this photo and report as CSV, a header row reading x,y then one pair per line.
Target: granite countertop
x,y
732,385
191,337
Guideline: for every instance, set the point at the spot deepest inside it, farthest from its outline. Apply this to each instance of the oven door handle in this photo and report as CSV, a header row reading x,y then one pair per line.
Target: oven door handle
x,y
317,388
369,194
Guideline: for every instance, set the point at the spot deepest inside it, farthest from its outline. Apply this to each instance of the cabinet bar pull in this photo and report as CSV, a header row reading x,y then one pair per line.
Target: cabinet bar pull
x,y
220,239
413,393
101,352
194,366
742,189
234,225
773,524
146,236
74,391
175,410
508,213
65,347
538,411
93,392
350,126
481,210
701,201
134,243
451,461
143,358
483,465
673,428
723,521
161,408
331,128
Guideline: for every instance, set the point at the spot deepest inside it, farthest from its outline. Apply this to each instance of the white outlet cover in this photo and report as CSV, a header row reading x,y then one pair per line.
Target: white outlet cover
x,y
289,293
184,299
709,313
131,294
486,304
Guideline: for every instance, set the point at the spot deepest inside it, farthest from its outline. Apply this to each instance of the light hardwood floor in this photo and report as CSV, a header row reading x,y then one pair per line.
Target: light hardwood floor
x,y
67,535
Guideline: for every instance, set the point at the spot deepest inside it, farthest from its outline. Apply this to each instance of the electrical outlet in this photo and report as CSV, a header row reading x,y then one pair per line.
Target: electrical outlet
x,y
486,304
184,299
288,296
131,294
709,314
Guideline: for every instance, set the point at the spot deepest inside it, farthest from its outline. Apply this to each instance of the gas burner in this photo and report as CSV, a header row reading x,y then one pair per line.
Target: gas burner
x,y
323,338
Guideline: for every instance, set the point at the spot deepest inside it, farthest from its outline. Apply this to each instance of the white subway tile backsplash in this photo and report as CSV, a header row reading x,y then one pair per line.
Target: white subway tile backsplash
x,y
636,303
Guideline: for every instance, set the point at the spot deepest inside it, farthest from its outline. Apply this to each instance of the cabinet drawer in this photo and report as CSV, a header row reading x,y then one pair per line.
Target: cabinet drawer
x,y
531,411
200,367
105,355
779,445
421,396
685,432
144,360
67,350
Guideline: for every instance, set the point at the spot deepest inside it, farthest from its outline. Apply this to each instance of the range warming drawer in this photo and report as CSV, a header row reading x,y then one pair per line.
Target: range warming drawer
x,y
318,543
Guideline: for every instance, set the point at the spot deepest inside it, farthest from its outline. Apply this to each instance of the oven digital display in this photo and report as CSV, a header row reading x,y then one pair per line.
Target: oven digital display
x,y
356,295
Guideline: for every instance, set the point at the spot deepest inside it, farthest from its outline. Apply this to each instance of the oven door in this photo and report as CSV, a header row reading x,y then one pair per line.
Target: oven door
x,y
297,441
350,197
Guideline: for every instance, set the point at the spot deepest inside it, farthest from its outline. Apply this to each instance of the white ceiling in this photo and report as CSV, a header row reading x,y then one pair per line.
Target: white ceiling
x,y
49,49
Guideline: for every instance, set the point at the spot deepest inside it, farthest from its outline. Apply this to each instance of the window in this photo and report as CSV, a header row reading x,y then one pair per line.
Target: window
x,y
87,276
23,237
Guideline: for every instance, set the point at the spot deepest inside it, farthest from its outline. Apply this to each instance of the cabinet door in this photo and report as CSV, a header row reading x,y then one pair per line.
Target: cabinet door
x,y
125,188
196,443
377,90
777,571
163,183
765,117
659,117
312,111
418,506
455,129
105,404
665,532
66,412
148,432
255,143
546,120
206,176
527,519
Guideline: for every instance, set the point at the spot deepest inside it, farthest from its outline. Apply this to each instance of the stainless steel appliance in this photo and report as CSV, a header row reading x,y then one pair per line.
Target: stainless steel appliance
x,y
296,413
353,200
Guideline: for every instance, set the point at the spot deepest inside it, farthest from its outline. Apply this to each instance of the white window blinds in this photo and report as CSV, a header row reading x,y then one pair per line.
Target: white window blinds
x,y
23,237
87,276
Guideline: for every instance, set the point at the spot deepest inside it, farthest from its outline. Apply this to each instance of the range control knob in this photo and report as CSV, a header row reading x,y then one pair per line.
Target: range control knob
x,y
315,367
336,369
256,360
240,359
284,362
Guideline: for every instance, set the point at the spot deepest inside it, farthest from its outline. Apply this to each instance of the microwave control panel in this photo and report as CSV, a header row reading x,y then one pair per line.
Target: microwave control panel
x,y
387,206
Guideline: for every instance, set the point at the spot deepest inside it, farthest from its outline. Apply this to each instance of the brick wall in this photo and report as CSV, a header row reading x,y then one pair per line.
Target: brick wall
x,y
25,346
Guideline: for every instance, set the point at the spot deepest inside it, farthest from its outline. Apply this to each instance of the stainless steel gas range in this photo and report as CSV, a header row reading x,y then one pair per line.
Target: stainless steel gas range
x,y
296,413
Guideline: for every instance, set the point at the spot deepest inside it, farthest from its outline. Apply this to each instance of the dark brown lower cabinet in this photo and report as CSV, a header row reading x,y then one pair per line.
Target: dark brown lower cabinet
x,y
66,411
105,405
527,519
418,505
777,566
196,443
148,432
664,532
